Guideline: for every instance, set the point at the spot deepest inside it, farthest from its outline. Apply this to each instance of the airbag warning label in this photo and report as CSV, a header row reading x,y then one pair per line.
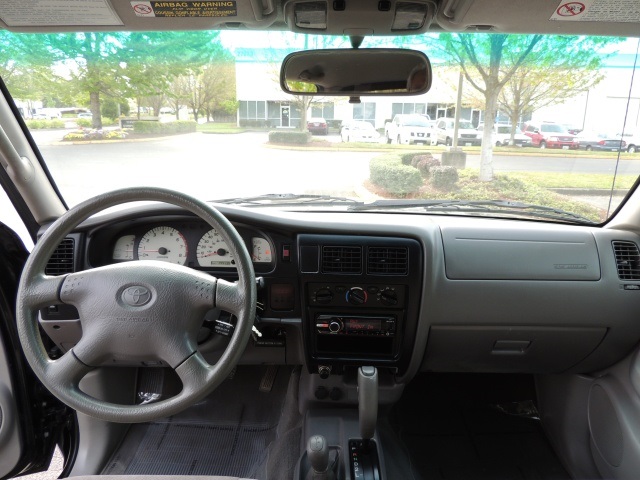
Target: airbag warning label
x,y
191,8
597,11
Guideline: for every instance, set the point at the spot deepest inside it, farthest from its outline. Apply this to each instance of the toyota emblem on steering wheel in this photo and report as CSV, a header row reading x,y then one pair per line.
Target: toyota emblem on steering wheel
x,y
136,296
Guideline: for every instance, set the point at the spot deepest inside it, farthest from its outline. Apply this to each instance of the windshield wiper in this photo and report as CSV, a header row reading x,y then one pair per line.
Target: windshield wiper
x,y
289,199
501,207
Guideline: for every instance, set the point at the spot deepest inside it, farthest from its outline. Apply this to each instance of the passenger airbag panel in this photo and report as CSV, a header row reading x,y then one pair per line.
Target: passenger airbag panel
x,y
519,254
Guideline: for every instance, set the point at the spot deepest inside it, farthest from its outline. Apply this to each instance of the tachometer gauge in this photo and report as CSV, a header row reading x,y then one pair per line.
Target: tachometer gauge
x,y
213,251
163,243
261,250
123,249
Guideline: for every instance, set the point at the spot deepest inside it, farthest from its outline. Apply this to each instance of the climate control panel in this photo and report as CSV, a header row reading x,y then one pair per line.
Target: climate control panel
x,y
372,295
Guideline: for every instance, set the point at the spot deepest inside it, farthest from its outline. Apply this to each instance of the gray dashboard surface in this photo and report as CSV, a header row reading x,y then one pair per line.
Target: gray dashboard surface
x,y
496,295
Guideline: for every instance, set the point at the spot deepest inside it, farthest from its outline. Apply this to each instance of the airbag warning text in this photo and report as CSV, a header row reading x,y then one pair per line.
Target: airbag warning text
x,y
222,8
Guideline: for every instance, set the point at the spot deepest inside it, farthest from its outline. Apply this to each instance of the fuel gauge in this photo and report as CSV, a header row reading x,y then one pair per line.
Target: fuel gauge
x,y
261,250
123,249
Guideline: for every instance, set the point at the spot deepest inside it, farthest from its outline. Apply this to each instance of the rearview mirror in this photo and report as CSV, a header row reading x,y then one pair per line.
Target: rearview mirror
x,y
355,72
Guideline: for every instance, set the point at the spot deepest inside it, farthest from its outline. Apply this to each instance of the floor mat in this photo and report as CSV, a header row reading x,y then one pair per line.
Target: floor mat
x,y
227,434
454,428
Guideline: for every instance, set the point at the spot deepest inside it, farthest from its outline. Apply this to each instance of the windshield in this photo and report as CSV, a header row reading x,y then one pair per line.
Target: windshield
x,y
418,121
552,128
203,112
507,129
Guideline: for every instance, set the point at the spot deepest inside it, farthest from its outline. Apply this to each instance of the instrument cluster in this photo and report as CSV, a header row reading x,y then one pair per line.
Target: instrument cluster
x,y
185,243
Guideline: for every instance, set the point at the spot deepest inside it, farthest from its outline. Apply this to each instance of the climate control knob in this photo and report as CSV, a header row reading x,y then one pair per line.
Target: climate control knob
x,y
323,296
356,296
389,297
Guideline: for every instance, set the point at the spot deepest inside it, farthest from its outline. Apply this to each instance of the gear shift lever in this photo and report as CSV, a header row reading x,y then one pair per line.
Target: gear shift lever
x,y
367,401
318,455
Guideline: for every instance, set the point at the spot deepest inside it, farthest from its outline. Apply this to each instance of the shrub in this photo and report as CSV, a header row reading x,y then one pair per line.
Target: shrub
x,y
406,158
171,128
91,134
289,136
114,134
388,172
424,164
41,124
84,122
444,178
73,136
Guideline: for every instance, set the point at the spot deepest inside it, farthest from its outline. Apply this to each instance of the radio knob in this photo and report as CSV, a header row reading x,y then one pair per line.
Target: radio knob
x,y
389,297
356,296
335,326
323,295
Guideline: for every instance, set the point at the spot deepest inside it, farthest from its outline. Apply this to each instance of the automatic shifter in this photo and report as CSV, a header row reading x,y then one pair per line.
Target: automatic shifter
x,y
363,454
367,401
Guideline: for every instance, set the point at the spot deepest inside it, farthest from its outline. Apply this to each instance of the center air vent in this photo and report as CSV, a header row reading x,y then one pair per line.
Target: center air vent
x,y
341,259
627,260
387,261
61,261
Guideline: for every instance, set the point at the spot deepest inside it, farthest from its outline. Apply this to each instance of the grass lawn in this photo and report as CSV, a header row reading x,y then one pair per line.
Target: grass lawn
x,y
575,180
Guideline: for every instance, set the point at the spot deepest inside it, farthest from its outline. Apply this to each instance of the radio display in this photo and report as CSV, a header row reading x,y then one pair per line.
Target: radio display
x,y
361,325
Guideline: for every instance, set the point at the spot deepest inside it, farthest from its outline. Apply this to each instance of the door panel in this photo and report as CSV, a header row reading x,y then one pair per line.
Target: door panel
x,y
27,439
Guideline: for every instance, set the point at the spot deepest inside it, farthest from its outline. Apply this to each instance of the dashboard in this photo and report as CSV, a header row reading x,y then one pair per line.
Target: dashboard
x,y
402,292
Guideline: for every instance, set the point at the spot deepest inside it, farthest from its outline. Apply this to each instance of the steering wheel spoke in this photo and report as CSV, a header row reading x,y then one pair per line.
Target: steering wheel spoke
x,y
43,291
66,372
229,297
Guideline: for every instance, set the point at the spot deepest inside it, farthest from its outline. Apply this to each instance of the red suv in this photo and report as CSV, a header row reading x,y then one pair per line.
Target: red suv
x,y
550,135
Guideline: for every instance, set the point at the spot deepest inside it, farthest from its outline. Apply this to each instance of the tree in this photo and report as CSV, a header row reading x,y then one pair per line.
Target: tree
x,y
155,60
533,88
94,63
25,66
302,102
489,61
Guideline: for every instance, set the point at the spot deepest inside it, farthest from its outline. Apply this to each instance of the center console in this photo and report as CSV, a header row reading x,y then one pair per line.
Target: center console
x,y
361,300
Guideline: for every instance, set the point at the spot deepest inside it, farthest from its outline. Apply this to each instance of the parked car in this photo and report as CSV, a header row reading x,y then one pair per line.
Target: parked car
x,y
633,142
550,135
468,135
205,304
359,131
409,128
590,140
502,136
317,125
88,115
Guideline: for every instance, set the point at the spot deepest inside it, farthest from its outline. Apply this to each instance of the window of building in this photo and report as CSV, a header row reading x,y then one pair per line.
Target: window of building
x,y
324,110
364,111
252,109
420,108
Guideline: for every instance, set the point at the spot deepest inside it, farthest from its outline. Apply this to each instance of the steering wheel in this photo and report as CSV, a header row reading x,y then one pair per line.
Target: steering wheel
x,y
142,311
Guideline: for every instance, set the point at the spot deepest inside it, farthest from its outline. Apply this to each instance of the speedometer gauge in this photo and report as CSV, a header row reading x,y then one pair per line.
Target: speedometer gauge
x,y
163,243
261,250
213,251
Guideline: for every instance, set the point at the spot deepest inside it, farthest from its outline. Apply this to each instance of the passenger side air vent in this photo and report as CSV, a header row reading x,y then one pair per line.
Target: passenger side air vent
x,y
341,259
627,260
61,261
387,261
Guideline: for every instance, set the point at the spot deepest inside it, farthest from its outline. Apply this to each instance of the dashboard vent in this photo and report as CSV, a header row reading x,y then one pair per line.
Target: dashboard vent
x,y
61,261
341,260
627,260
387,261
